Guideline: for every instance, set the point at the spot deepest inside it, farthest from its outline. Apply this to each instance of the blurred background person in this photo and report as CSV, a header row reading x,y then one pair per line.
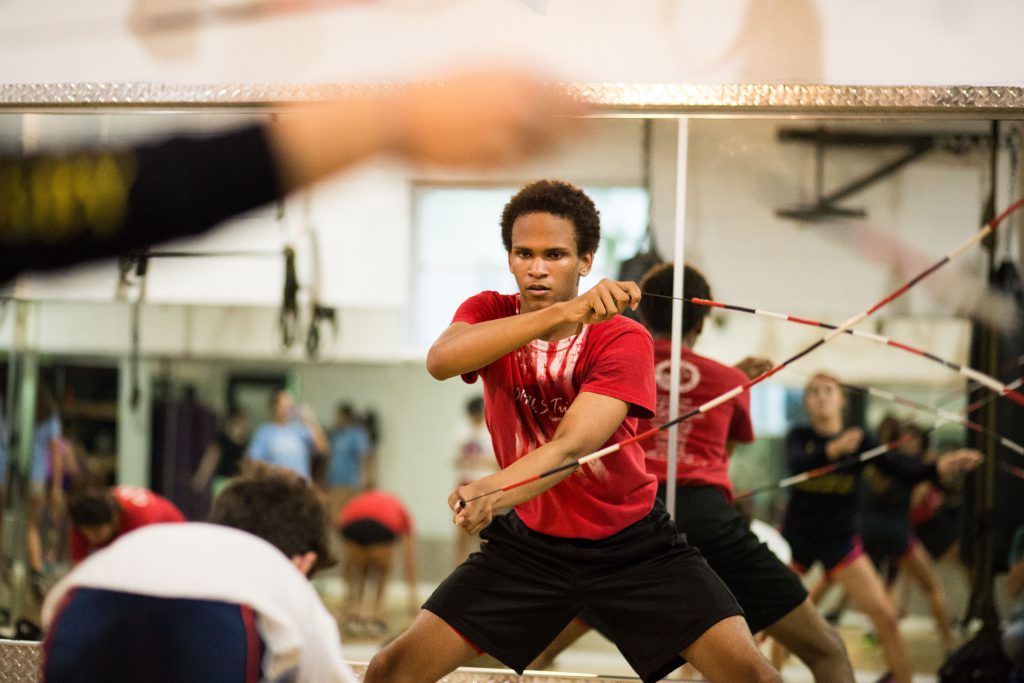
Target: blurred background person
x,y
348,467
227,600
101,516
371,524
223,458
46,444
68,471
291,439
474,460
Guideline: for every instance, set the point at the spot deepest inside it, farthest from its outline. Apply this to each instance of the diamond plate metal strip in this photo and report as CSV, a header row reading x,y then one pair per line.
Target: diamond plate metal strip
x,y
608,98
801,98
19,661
470,675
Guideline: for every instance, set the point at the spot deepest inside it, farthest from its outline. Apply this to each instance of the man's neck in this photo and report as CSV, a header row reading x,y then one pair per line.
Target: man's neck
x,y
562,332
688,340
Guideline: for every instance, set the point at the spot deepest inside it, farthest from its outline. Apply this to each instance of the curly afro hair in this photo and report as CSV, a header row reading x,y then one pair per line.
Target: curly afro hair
x,y
656,311
560,199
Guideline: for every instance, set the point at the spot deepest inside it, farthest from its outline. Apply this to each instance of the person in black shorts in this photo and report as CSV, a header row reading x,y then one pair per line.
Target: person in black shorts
x,y
771,595
885,518
563,376
371,524
821,522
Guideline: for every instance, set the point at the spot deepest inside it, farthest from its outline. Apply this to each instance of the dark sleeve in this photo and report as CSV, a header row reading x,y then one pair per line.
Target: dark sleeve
x,y
59,210
803,451
906,469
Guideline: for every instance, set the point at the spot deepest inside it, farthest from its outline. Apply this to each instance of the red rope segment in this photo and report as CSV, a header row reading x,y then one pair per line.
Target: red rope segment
x,y
970,373
1012,469
987,229
943,415
1014,385
801,477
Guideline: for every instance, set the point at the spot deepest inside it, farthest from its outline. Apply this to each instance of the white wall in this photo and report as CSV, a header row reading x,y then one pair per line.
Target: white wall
x,y
739,174
926,42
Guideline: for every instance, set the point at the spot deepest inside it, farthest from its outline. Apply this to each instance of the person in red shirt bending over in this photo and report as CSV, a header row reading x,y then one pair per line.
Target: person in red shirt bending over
x,y
370,525
99,516
563,375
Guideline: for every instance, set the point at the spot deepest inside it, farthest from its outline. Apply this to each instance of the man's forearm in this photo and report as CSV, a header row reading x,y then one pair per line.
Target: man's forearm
x,y
471,347
545,458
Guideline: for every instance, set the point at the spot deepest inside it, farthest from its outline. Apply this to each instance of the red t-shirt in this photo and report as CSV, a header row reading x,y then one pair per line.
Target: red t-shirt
x,y
380,507
527,392
701,458
139,507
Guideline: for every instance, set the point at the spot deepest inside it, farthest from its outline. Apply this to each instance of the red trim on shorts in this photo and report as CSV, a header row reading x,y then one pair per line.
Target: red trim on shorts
x,y
252,645
912,544
469,642
848,559
797,567
48,639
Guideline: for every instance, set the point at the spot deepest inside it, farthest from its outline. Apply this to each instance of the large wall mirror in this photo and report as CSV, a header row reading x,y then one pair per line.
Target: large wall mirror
x,y
813,204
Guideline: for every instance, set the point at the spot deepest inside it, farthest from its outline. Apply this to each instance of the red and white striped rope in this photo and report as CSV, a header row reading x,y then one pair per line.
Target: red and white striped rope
x,y
987,229
970,373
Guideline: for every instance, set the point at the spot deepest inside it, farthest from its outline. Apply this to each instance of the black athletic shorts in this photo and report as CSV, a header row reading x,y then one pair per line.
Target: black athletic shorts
x,y
366,532
939,533
885,537
765,588
834,552
656,594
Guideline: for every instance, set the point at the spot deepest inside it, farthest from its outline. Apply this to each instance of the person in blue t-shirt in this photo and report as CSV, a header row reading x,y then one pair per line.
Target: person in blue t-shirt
x,y
348,466
292,439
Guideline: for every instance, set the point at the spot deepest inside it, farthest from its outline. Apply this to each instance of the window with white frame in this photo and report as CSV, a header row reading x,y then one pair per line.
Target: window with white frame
x,y
458,249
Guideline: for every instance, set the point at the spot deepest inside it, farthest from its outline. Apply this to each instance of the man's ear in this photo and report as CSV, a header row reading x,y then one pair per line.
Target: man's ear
x,y
304,563
586,263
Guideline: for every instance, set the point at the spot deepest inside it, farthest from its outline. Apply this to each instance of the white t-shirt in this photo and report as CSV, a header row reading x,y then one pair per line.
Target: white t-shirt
x,y
213,562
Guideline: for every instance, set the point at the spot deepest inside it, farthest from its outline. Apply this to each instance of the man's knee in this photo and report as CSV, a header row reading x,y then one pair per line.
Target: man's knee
x,y
825,647
385,667
764,673
884,617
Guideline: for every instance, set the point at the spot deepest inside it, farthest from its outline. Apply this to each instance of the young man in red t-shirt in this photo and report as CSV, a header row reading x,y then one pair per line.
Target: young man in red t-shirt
x,y
98,517
563,376
771,595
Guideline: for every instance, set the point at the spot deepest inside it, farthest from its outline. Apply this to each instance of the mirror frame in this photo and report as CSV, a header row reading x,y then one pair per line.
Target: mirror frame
x,y
607,99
